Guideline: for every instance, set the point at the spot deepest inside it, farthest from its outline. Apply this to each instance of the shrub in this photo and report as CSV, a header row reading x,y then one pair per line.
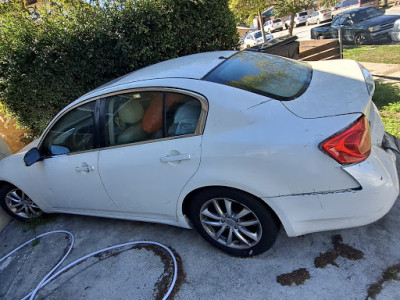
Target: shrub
x,y
57,52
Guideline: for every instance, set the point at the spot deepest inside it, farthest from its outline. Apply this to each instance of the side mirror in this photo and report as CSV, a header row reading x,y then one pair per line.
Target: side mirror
x,y
32,156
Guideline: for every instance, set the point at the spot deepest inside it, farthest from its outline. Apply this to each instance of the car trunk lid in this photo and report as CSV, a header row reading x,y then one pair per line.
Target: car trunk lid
x,y
337,87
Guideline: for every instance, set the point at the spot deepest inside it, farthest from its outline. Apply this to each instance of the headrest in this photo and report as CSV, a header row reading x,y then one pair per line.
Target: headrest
x,y
131,112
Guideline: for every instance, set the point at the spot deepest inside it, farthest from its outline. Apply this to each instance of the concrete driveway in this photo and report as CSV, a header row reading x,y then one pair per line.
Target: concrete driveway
x,y
357,263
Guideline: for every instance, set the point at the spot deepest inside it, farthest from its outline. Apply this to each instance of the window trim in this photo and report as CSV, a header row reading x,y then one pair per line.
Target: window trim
x,y
100,118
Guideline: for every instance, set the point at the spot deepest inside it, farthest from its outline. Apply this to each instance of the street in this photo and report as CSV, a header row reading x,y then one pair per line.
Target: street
x,y
303,32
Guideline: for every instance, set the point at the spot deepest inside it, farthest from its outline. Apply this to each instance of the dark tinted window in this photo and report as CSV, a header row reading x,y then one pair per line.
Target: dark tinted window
x,y
303,14
264,74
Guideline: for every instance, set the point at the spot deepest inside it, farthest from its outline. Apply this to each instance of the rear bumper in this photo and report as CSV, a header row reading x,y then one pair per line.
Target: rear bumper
x,y
306,213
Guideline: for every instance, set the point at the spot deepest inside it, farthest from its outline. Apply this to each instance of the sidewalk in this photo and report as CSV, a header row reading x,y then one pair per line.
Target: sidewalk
x,y
387,73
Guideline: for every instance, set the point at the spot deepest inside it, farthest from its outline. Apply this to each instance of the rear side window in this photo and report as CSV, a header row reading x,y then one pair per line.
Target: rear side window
x,y
269,75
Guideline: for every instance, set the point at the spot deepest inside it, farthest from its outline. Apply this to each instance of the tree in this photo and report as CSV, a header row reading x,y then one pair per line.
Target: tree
x,y
290,7
250,9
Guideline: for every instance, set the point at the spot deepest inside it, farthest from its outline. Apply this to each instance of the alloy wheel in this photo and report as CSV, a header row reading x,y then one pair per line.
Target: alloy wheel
x,y
360,39
230,223
21,205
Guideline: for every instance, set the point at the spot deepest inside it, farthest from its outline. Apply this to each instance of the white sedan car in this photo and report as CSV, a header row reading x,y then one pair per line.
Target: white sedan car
x,y
256,38
234,144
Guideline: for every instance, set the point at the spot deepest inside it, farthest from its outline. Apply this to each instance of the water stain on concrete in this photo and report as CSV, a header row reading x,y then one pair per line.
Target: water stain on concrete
x,y
165,280
339,249
391,273
297,277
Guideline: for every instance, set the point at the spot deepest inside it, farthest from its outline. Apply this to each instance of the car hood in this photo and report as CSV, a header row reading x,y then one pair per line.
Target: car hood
x,y
31,145
337,87
384,19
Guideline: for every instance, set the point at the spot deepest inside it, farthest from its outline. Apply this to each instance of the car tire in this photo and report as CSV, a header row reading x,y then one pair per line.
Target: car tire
x,y
360,39
233,221
320,37
17,204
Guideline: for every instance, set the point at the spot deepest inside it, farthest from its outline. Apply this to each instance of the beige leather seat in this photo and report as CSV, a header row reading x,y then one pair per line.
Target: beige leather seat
x,y
130,115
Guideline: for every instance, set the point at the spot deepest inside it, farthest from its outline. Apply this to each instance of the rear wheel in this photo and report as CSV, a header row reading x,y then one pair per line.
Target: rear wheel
x,y
234,221
17,204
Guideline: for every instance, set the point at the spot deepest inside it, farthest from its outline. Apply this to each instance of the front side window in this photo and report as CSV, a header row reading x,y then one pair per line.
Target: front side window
x,y
143,116
73,132
272,76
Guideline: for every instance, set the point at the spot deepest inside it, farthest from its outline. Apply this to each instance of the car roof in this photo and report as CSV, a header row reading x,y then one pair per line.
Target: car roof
x,y
356,9
194,66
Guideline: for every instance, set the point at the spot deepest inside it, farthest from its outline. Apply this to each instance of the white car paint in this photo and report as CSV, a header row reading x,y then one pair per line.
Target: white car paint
x,y
395,34
256,38
254,143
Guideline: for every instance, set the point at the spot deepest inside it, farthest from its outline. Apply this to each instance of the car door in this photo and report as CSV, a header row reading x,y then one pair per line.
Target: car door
x,y
154,148
68,175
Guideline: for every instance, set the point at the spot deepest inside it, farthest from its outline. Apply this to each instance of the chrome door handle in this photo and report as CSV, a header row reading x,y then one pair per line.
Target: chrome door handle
x,y
178,157
84,168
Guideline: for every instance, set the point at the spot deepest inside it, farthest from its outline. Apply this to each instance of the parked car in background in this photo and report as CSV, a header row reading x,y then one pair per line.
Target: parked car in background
x,y
273,25
255,38
299,19
193,141
351,4
241,40
395,34
359,26
319,16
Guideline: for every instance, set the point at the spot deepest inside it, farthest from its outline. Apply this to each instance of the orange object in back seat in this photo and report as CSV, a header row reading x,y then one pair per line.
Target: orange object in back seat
x,y
152,119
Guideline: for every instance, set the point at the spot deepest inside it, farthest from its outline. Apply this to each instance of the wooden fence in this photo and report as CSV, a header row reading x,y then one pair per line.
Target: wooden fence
x,y
319,50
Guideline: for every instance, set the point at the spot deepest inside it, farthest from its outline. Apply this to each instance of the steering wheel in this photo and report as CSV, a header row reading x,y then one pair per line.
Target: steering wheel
x,y
82,139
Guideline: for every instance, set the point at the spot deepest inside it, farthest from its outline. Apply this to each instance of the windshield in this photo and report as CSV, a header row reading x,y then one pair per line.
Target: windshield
x,y
269,75
365,14
340,19
277,21
257,34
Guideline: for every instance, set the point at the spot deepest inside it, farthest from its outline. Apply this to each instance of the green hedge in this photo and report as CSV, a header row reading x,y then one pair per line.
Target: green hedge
x,y
51,56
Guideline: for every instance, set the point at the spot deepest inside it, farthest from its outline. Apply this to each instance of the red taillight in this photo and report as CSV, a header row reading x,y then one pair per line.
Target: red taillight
x,y
323,15
351,145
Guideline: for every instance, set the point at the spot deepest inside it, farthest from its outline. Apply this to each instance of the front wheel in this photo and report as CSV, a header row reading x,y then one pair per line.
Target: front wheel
x,y
17,204
233,221
360,39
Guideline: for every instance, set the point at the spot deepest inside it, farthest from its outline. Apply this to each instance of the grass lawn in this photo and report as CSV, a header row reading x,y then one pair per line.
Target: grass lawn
x,y
387,99
388,54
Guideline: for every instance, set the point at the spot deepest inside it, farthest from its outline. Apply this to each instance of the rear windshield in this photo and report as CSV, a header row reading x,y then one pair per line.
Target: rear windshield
x,y
276,20
269,75
303,14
